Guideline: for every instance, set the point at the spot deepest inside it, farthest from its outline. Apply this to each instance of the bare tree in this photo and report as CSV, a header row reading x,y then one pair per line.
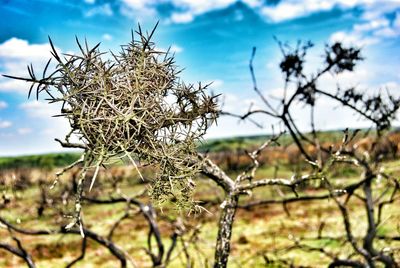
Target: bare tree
x,y
134,107
379,109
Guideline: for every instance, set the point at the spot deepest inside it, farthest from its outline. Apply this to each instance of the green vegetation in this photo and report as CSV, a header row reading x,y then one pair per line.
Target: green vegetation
x,y
246,142
43,161
52,160
232,144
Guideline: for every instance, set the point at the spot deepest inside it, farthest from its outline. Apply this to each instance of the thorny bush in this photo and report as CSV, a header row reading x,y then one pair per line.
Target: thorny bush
x,y
130,105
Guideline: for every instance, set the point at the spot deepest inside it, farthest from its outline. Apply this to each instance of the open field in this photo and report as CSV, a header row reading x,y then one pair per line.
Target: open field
x,y
263,236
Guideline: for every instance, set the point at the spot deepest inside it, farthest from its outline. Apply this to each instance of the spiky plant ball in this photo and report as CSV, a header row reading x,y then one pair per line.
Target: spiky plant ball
x,y
132,105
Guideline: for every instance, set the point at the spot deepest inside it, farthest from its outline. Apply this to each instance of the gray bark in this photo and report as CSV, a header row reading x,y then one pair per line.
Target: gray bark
x,y
222,251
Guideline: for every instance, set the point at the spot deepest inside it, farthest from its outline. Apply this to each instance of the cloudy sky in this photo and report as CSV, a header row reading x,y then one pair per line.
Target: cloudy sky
x,y
212,40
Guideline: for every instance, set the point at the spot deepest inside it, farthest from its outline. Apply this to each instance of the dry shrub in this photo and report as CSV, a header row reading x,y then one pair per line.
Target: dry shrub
x,y
132,105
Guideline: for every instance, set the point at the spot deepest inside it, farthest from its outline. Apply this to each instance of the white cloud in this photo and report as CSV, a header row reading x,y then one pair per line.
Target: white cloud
x,y
191,8
5,124
371,25
389,30
24,131
3,105
107,37
187,10
375,27
43,112
216,84
182,17
137,4
292,9
139,9
48,131
46,112
199,7
15,48
386,32
176,49
104,10
392,86
375,9
278,93
353,38
253,3
15,55
16,86
238,105
284,11
360,77
396,22
39,109
229,126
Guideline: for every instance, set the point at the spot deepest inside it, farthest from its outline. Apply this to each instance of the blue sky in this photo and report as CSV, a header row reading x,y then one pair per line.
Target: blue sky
x,y
212,40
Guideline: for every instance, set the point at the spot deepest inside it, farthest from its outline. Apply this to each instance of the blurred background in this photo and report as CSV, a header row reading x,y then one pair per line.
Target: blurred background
x,y
212,41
